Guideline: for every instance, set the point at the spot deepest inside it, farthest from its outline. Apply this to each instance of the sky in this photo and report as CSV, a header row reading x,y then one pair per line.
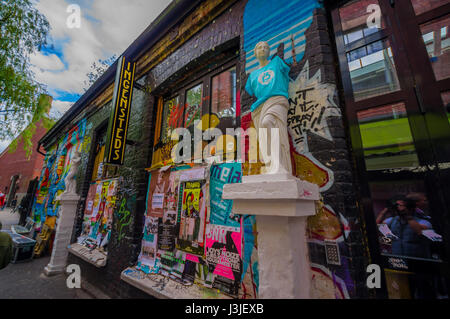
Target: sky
x,y
107,27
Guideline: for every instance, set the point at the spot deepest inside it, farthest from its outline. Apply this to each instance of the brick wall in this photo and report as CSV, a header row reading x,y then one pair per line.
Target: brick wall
x,y
17,163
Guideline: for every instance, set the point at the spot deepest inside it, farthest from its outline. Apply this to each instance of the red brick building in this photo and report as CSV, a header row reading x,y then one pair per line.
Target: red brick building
x,y
16,170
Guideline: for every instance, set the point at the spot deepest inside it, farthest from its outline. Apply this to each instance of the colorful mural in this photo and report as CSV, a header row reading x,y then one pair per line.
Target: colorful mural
x,y
56,166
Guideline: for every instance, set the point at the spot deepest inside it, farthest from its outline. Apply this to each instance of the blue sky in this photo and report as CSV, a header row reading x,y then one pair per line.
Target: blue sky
x,y
108,27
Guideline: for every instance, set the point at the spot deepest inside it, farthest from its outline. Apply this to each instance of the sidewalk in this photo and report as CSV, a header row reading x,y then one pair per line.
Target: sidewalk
x,y
27,280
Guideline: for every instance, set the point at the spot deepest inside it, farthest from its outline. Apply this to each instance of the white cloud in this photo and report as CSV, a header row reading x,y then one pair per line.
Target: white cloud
x,y
46,62
118,23
61,106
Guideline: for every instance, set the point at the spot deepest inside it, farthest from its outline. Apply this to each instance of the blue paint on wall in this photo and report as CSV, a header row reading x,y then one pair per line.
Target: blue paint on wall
x,y
277,21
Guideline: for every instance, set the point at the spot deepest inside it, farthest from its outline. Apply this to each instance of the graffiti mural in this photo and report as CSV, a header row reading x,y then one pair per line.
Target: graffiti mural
x,y
311,102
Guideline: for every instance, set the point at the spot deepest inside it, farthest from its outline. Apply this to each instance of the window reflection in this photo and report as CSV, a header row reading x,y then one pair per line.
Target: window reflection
x,y
386,138
404,219
355,17
436,36
223,99
372,70
172,117
421,6
193,110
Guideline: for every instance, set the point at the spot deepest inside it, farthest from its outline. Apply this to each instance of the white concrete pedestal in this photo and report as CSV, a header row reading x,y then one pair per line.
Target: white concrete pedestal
x,y
67,212
281,204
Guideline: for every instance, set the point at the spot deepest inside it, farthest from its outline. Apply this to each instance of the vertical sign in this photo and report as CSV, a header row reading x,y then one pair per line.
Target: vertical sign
x,y
118,121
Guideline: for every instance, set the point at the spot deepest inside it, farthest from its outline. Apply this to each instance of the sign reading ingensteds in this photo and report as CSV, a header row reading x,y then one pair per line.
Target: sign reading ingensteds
x,y
120,115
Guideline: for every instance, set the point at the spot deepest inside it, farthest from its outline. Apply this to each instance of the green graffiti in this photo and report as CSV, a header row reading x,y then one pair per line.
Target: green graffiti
x,y
124,216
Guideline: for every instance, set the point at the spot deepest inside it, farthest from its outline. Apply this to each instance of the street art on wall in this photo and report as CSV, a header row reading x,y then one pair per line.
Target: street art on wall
x,y
311,102
280,23
326,285
56,166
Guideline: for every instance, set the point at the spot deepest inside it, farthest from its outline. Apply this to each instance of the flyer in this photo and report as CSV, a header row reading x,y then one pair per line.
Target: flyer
x,y
192,217
158,186
149,242
221,209
224,256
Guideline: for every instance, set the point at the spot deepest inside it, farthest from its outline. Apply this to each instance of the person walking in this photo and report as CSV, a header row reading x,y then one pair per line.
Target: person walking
x,y
6,248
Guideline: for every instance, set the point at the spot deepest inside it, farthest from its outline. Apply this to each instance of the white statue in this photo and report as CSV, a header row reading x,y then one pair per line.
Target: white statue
x,y
270,85
69,181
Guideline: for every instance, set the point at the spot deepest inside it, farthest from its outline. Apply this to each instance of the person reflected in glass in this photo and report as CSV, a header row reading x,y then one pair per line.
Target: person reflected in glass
x,y
421,202
408,227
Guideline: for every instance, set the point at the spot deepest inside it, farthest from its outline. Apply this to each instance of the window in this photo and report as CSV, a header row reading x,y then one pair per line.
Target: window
x,y
436,37
211,99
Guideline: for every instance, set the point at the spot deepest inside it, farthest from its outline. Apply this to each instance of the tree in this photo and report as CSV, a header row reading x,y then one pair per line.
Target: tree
x,y
23,30
97,70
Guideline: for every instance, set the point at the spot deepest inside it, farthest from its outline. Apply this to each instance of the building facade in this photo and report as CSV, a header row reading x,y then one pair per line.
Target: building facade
x,y
18,170
367,124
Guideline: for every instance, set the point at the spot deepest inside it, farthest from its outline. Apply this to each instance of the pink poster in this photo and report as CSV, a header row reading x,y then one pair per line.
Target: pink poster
x,y
224,251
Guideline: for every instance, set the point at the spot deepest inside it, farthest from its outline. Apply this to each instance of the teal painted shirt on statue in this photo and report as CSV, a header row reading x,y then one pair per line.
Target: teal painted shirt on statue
x,y
271,80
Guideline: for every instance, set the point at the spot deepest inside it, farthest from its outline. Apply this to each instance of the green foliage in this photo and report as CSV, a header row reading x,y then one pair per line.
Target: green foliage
x,y
22,30
44,105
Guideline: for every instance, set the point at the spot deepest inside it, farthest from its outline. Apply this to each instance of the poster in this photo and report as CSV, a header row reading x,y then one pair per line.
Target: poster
x,y
221,209
149,242
158,186
98,214
167,227
224,256
192,217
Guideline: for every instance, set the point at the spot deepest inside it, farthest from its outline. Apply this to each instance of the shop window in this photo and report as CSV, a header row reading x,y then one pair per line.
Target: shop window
x,y
212,100
386,137
421,6
436,36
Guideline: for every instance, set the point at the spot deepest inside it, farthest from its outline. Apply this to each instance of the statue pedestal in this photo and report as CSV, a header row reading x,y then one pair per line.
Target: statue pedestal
x,y
68,209
281,204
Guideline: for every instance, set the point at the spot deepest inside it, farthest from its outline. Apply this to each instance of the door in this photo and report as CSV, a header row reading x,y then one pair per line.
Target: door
x,y
394,58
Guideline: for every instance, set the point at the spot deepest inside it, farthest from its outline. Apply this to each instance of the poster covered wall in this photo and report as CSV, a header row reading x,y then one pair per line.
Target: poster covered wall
x,y
98,214
197,238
